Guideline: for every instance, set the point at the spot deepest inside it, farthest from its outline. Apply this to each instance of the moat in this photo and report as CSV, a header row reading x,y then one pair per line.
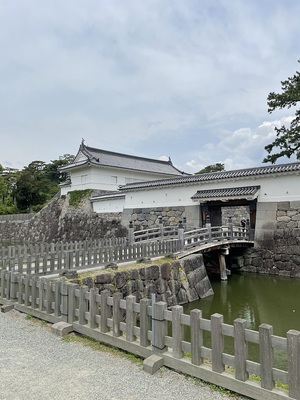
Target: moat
x,y
270,299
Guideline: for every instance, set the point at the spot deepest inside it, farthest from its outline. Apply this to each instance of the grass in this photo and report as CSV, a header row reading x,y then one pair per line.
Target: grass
x,y
126,267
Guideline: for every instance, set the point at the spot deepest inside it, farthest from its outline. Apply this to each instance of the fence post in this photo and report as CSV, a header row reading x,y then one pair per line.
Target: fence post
x,y
116,314
144,322
82,305
71,301
196,336
57,299
130,318
48,297
93,308
158,327
13,285
33,291
27,290
217,343
177,331
8,278
266,356
130,234
64,299
240,349
105,311
293,350
21,289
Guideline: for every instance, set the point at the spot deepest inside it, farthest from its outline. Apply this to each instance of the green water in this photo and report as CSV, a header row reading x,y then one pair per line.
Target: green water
x,y
257,299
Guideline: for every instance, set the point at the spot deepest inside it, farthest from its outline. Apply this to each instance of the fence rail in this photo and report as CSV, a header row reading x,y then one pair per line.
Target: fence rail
x,y
113,320
16,217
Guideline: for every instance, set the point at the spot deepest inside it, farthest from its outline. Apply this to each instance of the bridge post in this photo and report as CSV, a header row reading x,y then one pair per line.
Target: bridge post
x,y
208,227
181,235
130,234
230,227
222,263
248,231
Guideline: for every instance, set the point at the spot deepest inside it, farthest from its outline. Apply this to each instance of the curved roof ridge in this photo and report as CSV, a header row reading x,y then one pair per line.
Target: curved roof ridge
x,y
214,176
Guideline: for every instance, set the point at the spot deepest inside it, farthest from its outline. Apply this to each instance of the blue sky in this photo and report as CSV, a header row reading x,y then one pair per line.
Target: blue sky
x,y
156,78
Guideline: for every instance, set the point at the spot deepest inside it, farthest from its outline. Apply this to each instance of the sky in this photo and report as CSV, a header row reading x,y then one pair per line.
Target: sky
x,y
154,78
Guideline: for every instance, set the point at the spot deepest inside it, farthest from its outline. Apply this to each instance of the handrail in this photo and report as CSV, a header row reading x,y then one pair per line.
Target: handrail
x,y
192,237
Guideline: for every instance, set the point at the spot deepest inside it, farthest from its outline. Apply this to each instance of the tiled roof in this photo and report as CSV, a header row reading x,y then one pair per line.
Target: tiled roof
x,y
216,176
228,193
118,160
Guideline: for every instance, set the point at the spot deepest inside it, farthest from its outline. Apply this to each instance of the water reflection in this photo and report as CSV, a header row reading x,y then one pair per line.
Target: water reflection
x,y
257,299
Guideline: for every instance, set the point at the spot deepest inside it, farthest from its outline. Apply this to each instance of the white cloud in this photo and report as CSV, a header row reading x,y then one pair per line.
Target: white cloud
x,y
241,148
159,77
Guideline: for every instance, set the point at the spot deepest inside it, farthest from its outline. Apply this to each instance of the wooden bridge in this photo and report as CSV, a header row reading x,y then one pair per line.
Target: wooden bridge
x,y
209,238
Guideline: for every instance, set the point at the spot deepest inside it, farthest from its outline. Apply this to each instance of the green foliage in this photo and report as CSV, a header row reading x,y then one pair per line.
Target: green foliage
x,y
287,142
211,168
76,196
32,187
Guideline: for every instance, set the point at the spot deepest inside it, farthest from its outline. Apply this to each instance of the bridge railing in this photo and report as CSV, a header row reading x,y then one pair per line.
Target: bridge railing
x,y
189,238
156,233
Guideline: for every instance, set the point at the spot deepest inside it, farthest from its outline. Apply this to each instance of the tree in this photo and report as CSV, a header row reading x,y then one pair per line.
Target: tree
x,y
287,142
211,168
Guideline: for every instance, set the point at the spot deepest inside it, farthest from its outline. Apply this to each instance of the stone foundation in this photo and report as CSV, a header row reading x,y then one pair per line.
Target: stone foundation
x,y
175,283
59,221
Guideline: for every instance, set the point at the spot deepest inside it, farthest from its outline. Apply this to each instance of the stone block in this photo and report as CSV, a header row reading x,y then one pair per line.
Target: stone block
x,y
150,288
174,286
283,205
134,274
152,364
192,295
203,287
295,205
285,218
182,297
175,270
61,328
104,278
183,280
121,278
7,307
161,285
152,272
165,271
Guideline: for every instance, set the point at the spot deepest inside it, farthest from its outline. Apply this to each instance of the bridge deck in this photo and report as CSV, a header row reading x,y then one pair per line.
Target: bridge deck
x,y
214,245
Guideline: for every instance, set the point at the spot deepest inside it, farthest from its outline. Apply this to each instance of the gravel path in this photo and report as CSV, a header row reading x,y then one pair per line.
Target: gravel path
x,y
36,364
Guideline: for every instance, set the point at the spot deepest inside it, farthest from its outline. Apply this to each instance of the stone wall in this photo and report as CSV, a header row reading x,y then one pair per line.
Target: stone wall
x,y
236,214
175,283
143,218
277,247
59,221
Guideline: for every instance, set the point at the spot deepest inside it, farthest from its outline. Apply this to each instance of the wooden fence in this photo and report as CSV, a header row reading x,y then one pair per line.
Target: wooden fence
x,y
144,329
16,217
57,247
50,262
